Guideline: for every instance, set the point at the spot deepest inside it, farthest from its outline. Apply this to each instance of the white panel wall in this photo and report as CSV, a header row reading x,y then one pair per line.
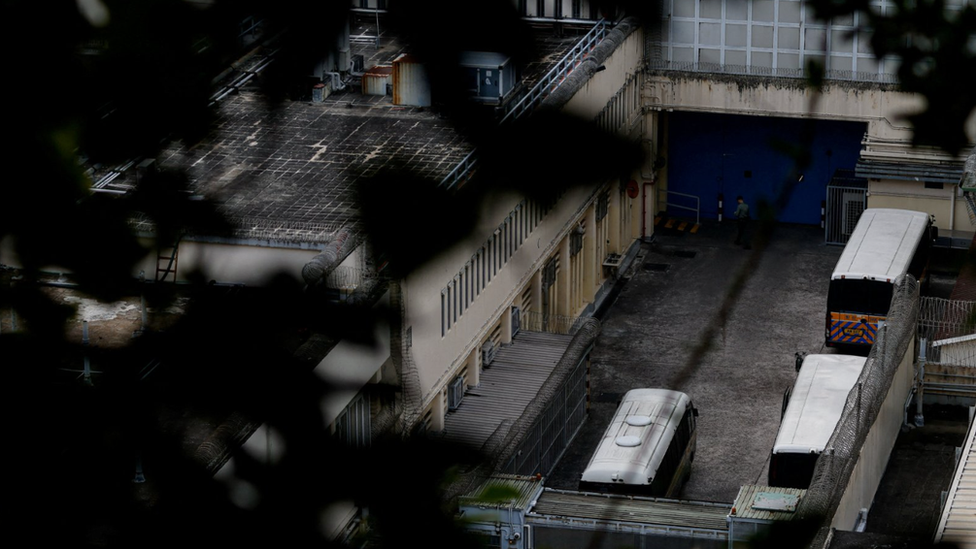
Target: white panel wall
x,y
771,37
871,464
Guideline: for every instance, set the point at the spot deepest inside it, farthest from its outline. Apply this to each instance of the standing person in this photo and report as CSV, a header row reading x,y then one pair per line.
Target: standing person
x,y
741,220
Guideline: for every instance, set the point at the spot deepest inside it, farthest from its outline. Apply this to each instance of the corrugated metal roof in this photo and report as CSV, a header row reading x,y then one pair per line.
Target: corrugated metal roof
x,y
507,387
379,70
648,511
958,523
743,507
935,173
526,488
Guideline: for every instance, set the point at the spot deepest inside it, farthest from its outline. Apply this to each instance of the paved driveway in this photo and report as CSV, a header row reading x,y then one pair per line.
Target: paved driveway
x,y
650,334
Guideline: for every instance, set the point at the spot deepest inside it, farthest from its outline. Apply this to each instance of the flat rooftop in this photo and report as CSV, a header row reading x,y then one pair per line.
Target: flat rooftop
x,y
287,175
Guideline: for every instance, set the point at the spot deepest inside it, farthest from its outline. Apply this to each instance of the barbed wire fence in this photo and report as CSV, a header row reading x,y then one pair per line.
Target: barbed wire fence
x,y
863,407
941,324
524,446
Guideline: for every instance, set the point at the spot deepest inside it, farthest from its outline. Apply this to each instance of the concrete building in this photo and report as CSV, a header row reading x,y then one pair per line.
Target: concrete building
x,y
286,179
715,96
729,74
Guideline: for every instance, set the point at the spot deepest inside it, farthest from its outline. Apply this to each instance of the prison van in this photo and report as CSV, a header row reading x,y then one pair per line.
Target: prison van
x,y
811,410
884,245
648,447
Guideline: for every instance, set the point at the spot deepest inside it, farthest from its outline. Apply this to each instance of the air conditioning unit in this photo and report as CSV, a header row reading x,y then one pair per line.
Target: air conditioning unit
x,y
455,393
487,353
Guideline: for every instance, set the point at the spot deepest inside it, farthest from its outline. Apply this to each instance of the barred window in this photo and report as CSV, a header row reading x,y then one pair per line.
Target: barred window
x,y
466,285
602,206
352,427
576,240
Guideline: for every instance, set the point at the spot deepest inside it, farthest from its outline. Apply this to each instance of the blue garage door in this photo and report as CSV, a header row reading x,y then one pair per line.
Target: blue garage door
x,y
712,154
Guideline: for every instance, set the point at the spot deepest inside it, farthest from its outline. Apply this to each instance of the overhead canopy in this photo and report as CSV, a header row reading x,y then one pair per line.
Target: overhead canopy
x,y
900,161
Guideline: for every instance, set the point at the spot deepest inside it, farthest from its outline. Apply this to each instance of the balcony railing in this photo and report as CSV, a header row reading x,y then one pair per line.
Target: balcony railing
x,y
549,82
532,321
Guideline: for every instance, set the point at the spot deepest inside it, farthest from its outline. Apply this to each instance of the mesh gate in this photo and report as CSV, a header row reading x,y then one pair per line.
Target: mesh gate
x,y
847,197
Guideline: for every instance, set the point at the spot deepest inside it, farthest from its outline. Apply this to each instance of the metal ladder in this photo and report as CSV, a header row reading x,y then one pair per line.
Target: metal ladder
x,y
166,262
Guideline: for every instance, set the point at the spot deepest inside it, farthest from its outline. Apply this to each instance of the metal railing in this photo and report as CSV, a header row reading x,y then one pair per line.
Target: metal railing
x,y
696,209
534,321
549,82
461,171
753,70
947,357
847,198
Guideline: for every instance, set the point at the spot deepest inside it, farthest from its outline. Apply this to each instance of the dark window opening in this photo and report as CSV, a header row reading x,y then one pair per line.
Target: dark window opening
x,y
859,296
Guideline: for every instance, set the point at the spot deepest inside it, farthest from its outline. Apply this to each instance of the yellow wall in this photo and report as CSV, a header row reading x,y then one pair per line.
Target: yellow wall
x,y
948,208
439,358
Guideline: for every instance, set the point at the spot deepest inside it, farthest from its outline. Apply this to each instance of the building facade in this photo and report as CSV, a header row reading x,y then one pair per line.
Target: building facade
x,y
730,75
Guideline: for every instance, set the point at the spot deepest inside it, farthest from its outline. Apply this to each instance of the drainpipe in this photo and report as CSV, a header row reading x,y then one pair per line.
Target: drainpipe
x,y
952,209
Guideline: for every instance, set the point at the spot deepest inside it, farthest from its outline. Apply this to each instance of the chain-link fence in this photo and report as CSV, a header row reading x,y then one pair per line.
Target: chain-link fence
x,y
947,327
532,321
533,443
877,401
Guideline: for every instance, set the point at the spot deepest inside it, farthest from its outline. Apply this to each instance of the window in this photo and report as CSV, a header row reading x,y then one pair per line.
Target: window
x,y
479,279
576,240
353,425
602,206
443,312
457,300
491,257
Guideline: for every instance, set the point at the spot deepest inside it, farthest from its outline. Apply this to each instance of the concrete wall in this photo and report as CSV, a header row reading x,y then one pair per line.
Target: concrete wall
x,y
438,358
946,204
233,263
882,108
593,96
227,263
873,459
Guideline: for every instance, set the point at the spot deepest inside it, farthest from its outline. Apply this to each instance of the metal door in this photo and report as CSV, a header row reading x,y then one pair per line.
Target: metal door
x,y
845,203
